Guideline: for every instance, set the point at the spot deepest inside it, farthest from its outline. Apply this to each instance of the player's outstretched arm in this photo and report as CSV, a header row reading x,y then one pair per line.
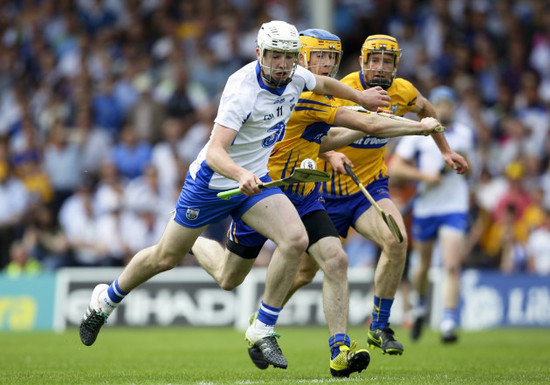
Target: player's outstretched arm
x,y
371,99
361,124
387,126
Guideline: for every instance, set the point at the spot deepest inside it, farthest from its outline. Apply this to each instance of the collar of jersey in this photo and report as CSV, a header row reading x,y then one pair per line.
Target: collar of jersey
x,y
275,91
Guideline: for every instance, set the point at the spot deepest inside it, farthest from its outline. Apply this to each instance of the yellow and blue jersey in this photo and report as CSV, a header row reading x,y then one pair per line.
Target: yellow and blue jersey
x,y
368,153
309,123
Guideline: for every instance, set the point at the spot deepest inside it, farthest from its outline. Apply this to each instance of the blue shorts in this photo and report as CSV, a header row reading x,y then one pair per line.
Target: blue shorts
x,y
199,205
243,235
424,229
345,210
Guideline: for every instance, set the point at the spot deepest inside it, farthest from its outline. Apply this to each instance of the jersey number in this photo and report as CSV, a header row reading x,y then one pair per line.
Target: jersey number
x,y
277,134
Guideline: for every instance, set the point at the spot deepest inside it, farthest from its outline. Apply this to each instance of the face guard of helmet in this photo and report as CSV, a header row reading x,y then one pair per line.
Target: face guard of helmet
x,y
321,51
278,47
380,56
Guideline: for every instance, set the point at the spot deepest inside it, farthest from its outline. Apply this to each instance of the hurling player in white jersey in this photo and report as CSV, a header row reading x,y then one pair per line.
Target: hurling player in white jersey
x,y
254,109
440,209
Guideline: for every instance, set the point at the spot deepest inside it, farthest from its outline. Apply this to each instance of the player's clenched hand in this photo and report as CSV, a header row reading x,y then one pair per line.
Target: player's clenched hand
x,y
456,162
431,125
248,183
374,98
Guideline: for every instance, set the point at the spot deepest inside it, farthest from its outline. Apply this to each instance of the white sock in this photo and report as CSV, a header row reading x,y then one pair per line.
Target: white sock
x,y
262,327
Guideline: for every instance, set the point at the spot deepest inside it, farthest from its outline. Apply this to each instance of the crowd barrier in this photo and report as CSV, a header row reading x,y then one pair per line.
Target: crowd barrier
x,y
189,297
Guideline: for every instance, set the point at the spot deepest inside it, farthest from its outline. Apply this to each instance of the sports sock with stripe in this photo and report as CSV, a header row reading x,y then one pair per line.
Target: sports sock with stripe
x,y
381,312
336,341
112,297
268,314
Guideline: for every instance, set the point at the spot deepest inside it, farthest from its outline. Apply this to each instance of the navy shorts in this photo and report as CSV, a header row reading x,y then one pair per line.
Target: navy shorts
x,y
345,210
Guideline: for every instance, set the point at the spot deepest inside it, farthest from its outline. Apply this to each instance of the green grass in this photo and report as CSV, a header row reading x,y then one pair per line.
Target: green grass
x,y
218,356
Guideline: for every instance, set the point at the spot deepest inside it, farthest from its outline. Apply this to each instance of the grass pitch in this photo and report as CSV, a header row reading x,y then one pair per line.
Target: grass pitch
x,y
218,356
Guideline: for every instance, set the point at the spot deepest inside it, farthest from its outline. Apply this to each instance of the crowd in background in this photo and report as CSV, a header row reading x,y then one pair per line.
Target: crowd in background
x,y
105,103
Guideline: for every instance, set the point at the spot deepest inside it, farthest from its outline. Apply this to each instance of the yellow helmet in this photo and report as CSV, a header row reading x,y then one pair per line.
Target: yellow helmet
x,y
383,44
319,40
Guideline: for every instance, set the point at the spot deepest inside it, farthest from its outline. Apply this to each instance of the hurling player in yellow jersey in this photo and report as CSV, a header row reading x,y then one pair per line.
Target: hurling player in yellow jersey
x,y
308,126
345,203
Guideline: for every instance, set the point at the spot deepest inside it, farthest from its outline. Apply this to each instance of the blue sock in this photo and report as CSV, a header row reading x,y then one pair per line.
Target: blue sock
x,y
335,342
381,312
115,293
451,314
268,314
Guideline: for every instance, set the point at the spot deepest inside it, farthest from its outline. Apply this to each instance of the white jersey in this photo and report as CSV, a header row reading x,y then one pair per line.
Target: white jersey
x,y
259,114
451,194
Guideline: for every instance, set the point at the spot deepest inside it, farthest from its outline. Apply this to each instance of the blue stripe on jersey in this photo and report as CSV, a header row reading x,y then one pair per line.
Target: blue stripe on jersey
x,y
309,101
306,109
275,91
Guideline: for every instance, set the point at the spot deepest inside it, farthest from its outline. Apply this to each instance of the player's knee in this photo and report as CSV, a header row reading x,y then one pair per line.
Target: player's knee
x,y
397,248
337,264
295,243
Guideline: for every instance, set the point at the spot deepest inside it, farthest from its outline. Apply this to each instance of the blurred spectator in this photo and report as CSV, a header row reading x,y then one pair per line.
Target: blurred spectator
x,y
131,154
112,234
198,133
540,56
515,213
146,115
79,222
106,110
94,142
532,113
62,163
21,262
147,190
145,229
13,207
538,247
513,258
110,186
36,181
168,154
46,240
180,105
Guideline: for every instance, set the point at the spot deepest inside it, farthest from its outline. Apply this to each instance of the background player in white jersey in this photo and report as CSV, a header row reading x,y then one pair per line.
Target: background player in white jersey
x,y
440,209
255,106
306,131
